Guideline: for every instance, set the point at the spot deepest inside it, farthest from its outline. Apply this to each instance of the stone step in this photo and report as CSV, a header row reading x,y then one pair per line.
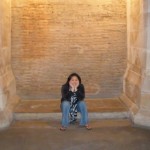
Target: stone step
x,y
55,124
50,109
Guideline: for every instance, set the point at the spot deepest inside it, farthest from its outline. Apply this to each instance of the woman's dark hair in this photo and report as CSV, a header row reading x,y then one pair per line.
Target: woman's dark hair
x,y
72,75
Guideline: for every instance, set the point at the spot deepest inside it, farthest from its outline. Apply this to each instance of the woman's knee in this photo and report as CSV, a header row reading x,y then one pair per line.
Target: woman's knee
x,y
65,104
82,105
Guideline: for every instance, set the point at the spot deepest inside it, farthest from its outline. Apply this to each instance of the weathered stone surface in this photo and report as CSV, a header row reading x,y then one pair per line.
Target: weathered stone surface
x,y
7,81
106,134
137,78
136,51
51,39
50,109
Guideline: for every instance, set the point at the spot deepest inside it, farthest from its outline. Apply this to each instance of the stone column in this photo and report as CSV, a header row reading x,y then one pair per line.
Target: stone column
x,y
8,96
143,115
136,92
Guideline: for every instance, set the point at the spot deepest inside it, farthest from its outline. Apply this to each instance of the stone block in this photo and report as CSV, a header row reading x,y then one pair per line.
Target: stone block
x,y
6,116
142,118
146,84
3,101
145,100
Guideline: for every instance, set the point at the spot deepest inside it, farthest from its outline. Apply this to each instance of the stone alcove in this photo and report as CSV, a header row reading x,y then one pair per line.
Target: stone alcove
x,y
135,83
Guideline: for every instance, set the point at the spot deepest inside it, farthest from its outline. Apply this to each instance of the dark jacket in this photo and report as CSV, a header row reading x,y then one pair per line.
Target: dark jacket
x,y
66,94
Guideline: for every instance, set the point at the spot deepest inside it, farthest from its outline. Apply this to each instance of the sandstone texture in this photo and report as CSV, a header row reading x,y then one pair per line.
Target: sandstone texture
x,y
8,96
51,39
137,77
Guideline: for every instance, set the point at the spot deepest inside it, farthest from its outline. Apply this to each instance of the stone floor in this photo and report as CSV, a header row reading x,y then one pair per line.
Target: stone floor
x,y
45,135
29,132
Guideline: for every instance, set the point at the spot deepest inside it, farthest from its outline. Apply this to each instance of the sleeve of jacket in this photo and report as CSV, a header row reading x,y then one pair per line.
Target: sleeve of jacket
x,y
66,94
81,92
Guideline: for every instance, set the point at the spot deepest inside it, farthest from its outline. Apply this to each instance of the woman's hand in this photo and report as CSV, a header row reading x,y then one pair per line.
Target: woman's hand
x,y
76,86
72,88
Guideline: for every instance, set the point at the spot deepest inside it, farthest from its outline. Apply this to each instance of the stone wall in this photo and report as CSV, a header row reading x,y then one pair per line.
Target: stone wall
x,y
52,38
133,75
7,82
137,77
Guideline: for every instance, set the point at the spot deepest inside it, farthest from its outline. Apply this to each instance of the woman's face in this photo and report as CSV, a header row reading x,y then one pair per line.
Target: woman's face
x,y
74,81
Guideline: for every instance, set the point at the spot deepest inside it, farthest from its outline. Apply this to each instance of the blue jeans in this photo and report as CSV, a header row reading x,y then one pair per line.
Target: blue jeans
x,y
81,107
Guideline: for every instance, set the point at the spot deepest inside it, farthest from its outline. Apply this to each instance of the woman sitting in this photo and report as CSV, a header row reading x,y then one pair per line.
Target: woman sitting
x,y
72,101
